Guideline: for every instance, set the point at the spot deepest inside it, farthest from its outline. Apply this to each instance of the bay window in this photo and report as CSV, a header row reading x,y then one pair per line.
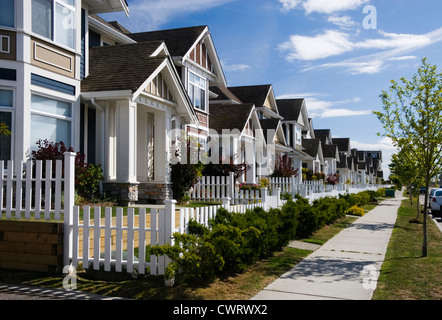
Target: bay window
x,y
6,109
50,119
197,91
7,14
55,20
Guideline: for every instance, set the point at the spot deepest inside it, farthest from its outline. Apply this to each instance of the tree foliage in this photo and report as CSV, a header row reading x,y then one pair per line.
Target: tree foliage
x,y
411,116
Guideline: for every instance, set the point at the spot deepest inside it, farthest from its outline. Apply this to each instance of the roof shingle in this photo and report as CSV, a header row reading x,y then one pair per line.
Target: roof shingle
x,y
121,67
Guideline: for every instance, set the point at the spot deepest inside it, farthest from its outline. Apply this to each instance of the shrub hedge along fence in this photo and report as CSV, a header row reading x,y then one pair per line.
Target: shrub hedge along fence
x,y
234,241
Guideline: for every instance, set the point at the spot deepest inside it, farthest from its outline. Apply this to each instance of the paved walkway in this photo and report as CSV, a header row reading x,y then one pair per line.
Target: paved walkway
x,y
22,292
346,267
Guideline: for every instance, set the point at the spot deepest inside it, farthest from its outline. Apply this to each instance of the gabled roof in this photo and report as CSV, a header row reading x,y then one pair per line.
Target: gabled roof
x,y
330,151
182,42
230,116
252,94
125,70
290,109
343,144
256,94
312,146
270,124
178,41
121,67
224,95
324,135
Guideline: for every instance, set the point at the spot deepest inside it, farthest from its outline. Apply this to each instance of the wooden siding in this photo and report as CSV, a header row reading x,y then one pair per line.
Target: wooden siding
x,y
52,58
158,87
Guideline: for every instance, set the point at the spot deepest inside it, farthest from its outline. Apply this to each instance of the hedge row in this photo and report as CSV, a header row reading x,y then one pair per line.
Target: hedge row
x,y
234,241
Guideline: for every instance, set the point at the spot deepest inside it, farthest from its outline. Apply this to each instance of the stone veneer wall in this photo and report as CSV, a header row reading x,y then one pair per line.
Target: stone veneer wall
x,y
154,192
124,193
143,193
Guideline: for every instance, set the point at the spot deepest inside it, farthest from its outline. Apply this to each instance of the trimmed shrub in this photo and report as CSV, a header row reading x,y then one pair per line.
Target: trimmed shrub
x,y
356,211
234,241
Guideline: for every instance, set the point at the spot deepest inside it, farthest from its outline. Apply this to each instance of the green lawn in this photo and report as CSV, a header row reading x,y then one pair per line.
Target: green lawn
x,y
405,274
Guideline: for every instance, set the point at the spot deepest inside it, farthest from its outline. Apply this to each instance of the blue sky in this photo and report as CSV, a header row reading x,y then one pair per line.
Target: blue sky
x,y
337,54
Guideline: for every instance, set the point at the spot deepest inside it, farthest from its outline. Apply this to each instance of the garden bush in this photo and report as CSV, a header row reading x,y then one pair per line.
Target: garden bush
x,y
87,176
356,211
233,241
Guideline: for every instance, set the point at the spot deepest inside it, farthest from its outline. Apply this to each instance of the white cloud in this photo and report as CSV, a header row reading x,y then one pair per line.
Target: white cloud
x,y
389,47
353,67
343,22
321,108
322,6
289,4
403,58
327,44
148,15
328,7
331,43
234,67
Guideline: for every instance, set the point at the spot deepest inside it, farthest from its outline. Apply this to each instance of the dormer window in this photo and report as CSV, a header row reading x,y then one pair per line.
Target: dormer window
x,y
197,91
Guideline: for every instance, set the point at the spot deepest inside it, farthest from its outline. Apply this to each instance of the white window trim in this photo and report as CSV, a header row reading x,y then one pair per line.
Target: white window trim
x,y
200,87
56,116
11,110
54,28
1,44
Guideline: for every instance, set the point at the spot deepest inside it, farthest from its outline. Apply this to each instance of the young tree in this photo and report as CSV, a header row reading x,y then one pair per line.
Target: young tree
x,y
408,175
411,116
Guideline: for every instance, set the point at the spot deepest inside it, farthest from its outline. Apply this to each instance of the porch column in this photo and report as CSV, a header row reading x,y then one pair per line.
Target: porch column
x,y
163,125
250,159
126,141
297,164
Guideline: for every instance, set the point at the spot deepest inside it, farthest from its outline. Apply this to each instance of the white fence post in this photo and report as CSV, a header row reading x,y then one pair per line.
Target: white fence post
x,y
226,203
69,192
264,198
231,185
169,227
277,195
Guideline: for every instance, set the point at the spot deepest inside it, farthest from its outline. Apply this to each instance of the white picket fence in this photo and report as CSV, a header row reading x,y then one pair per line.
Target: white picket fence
x,y
211,188
30,193
101,240
110,246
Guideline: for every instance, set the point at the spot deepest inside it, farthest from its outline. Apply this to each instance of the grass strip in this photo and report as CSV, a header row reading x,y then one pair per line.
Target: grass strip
x,y
405,274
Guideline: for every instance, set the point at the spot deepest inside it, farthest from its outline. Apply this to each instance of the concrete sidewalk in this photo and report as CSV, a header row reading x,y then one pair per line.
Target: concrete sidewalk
x,y
346,267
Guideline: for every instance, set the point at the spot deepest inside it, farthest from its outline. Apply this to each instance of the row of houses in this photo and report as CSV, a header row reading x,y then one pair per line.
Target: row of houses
x,y
120,98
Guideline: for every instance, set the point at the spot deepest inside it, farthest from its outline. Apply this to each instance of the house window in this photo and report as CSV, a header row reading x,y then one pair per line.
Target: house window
x,y
6,109
197,91
298,135
7,14
50,119
55,20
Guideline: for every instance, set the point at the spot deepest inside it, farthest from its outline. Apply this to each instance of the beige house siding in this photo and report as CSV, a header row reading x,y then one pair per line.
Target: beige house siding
x,y
52,58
